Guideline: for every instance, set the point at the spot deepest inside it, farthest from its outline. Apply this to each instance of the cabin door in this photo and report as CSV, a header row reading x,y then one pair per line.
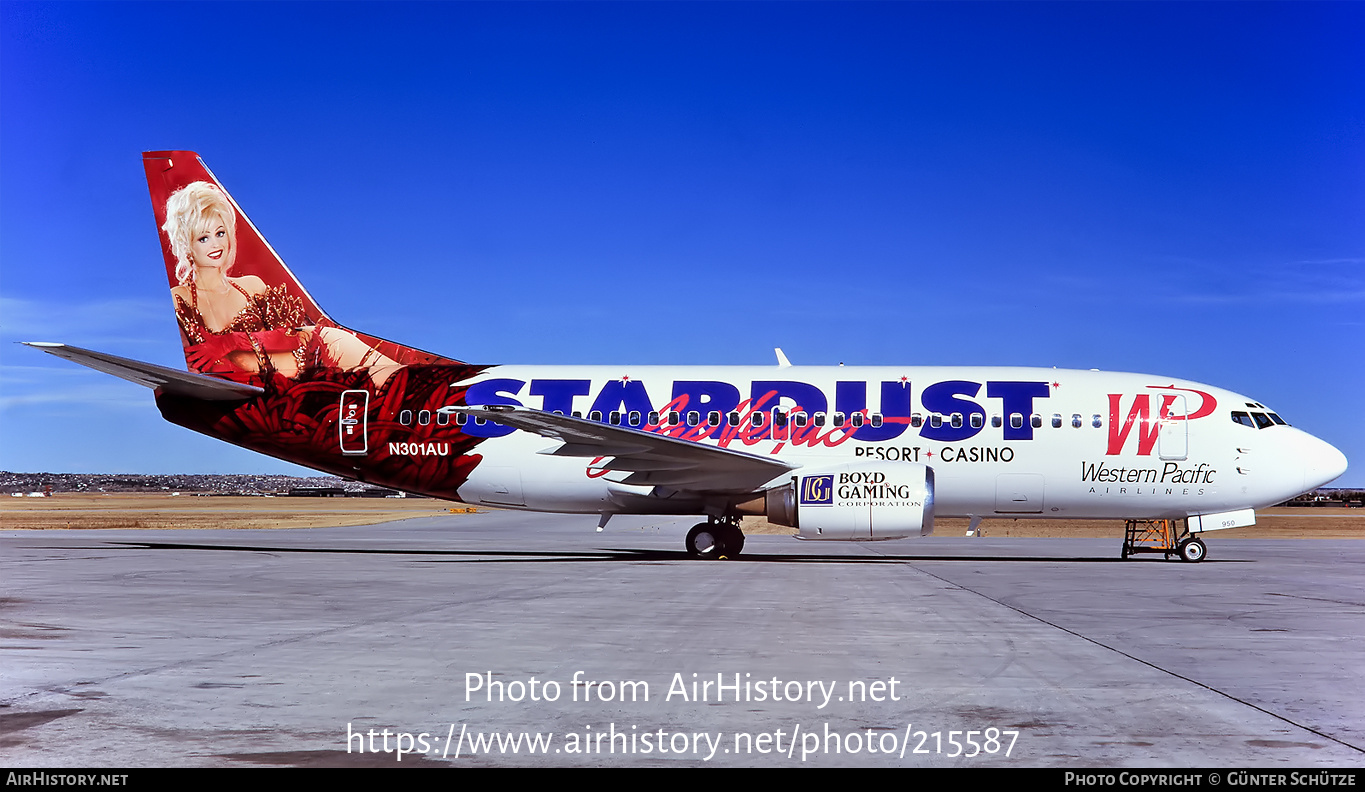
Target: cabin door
x,y
351,422
1173,434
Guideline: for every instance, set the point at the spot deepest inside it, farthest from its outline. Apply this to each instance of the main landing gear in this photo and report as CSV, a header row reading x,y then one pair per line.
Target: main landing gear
x,y
716,539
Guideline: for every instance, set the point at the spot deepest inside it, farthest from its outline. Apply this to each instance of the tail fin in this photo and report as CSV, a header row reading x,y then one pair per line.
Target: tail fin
x,y
171,172
242,313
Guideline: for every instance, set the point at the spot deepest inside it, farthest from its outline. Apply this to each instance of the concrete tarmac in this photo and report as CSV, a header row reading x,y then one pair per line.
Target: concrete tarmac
x,y
246,648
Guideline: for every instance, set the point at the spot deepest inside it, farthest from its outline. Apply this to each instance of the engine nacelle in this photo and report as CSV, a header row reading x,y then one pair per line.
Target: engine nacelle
x,y
858,501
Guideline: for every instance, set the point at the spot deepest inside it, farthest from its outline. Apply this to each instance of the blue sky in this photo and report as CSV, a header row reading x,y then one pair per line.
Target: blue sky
x,y
1159,187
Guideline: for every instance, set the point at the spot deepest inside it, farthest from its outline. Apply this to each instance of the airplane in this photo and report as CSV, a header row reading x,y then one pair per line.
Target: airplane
x,y
837,453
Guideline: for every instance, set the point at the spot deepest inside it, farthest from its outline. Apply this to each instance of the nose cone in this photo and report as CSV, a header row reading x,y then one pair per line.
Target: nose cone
x,y
1322,463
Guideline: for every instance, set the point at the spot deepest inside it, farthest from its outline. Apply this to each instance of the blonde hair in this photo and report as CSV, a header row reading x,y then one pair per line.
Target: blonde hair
x,y
187,210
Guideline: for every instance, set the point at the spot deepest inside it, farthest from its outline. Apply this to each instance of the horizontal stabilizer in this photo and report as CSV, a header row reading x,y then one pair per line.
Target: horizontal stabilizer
x,y
641,457
167,380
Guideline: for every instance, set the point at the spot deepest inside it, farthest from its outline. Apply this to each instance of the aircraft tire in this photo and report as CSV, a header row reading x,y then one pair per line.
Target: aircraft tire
x,y
705,541
733,541
1193,550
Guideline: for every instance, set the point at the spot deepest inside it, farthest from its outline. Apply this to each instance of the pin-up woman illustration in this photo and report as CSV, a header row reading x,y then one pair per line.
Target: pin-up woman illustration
x,y
240,323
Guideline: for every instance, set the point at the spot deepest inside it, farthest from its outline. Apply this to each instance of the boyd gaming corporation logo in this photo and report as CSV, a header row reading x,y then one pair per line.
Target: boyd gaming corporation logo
x,y
817,491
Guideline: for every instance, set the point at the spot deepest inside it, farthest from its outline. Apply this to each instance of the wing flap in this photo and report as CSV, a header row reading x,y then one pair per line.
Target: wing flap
x,y
594,450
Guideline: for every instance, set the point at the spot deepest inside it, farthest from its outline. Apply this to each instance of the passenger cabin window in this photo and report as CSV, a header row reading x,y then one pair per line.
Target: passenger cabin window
x,y
819,419
424,417
653,417
1016,420
673,418
756,419
460,418
915,420
996,422
876,420
1056,420
405,417
734,418
779,419
1096,421
442,418
838,419
978,420
956,420
595,415
578,413
799,419
713,418
935,420
633,418
614,418
693,417
1076,421
856,419
1037,421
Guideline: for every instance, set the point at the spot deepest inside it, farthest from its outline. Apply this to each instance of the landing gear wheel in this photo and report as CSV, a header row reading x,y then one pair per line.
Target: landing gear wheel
x,y
1193,550
734,541
712,540
705,541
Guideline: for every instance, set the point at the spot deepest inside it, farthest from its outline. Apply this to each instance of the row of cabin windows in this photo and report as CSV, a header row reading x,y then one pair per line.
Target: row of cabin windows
x,y
424,418
780,419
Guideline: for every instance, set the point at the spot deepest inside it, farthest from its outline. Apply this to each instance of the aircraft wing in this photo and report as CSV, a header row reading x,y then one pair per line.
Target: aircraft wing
x,y
168,380
639,457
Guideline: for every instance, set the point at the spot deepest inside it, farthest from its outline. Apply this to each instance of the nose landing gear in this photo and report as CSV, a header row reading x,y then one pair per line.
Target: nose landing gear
x,y
1192,550
1159,536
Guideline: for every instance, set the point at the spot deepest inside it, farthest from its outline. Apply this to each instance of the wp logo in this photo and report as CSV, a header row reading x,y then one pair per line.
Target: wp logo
x,y
1140,415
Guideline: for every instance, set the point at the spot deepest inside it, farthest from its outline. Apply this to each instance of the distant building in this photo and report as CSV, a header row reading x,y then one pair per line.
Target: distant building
x,y
317,492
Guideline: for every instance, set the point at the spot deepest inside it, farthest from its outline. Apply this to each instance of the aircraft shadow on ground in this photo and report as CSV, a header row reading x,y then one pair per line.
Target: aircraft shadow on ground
x,y
631,554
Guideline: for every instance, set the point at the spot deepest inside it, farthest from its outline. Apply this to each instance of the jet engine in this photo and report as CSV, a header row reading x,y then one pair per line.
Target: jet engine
x,y
859,501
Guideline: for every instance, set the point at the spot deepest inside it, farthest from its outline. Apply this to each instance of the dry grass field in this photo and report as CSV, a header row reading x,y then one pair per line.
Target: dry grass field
x,y
164,511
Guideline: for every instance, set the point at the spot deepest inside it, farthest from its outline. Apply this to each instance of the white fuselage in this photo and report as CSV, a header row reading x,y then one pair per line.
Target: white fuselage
x,y
1017,442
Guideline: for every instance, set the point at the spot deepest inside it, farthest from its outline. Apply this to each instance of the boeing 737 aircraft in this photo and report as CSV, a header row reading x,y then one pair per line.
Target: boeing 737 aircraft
x,y
852,453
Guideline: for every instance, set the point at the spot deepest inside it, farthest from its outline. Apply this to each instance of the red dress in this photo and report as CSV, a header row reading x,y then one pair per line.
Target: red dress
x,y
272,322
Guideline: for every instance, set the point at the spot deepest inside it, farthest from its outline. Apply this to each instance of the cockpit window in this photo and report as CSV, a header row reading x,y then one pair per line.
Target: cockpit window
x,y
1258,420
